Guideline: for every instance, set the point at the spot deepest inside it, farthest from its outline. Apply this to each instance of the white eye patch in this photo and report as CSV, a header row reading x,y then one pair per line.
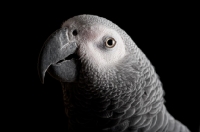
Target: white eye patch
x,y
94,44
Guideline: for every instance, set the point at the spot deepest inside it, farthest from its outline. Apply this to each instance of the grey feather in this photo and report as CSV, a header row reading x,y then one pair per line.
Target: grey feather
x,y
125,98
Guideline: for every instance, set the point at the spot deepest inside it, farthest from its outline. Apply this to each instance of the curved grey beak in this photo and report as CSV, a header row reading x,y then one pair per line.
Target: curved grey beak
x,y
54,55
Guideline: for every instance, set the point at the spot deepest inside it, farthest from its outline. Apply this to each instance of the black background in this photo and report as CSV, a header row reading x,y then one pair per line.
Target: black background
x,y
166,32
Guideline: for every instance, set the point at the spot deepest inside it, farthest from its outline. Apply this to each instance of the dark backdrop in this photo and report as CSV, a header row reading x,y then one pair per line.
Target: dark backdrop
x,y
165,32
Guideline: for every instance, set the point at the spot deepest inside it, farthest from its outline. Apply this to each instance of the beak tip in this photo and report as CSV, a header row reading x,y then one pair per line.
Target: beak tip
x,y
42,81
41,77
41,72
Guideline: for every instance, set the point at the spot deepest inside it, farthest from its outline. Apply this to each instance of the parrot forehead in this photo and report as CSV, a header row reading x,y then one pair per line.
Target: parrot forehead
x,y
88,20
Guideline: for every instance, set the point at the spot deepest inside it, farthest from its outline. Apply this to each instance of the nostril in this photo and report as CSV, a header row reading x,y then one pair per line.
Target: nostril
x,y
75,32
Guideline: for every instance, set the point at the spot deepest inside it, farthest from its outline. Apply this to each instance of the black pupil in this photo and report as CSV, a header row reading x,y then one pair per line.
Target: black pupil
x,y
75,32
110,42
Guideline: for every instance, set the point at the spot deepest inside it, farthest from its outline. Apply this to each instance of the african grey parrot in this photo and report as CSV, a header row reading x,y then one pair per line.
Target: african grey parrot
x,y
108,83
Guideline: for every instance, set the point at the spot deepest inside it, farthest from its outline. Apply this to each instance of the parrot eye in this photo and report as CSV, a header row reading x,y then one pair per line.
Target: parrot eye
x,y
75,32
110,42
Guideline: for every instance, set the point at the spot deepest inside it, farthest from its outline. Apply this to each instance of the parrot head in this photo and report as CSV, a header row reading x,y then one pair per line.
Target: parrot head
x,y
103,74
85,42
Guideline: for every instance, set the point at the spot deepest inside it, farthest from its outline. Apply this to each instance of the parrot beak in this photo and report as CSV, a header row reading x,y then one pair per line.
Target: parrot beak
x,y
58,56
